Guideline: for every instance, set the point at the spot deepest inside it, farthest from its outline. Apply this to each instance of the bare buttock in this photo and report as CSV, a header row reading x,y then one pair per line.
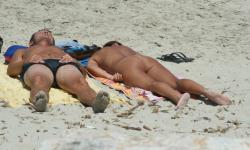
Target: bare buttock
x,y
133,61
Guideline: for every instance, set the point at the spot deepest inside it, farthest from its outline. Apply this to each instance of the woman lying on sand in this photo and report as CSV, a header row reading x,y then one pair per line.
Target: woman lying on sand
x,y
120,63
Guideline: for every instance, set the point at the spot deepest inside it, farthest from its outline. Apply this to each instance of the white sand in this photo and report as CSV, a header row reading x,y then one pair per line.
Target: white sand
x,y
216,33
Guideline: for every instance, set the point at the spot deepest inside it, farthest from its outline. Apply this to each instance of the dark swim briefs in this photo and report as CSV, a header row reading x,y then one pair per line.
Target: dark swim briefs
x,y
52,64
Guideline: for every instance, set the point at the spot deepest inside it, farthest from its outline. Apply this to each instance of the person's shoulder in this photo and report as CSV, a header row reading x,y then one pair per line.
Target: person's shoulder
x,y
22,50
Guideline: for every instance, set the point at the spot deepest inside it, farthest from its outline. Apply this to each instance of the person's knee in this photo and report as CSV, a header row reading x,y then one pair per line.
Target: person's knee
x,y
73,83
40,80
153,86
180,82
81,83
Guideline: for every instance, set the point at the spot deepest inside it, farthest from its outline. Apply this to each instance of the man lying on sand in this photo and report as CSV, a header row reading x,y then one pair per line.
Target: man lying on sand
x,y
120,63
43,65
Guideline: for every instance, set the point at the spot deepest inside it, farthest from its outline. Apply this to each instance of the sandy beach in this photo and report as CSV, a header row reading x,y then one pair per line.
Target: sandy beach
x,y
214,32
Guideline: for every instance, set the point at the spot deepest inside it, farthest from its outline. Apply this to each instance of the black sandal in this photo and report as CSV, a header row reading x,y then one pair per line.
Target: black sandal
x,y
177,57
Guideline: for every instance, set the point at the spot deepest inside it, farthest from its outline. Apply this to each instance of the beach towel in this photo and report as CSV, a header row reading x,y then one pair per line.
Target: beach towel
x,y
13,94
132,93
71,46
10,52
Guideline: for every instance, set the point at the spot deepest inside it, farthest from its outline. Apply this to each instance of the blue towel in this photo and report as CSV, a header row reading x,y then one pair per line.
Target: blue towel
x,y
84,62
71,46
12,49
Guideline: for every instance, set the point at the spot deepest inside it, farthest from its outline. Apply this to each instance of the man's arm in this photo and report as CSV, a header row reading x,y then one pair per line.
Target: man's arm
x,y
96,70
16,64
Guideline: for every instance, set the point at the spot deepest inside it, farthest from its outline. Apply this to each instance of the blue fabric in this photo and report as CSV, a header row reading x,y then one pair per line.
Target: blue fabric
x,y
12,49
84,62
71,46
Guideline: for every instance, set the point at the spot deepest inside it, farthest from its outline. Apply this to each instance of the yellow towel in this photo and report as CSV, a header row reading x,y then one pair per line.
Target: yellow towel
x,y
13,93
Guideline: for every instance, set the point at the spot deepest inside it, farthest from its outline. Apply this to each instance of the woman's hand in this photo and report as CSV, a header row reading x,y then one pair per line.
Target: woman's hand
x,y
117,77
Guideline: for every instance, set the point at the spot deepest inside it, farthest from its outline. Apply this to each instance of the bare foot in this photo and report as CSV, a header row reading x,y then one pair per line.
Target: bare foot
x,y
218,98
183,100
101,102
40,101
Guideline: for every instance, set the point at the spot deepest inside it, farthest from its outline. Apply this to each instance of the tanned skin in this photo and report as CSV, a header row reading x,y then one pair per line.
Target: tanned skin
x,y
39,78
121,63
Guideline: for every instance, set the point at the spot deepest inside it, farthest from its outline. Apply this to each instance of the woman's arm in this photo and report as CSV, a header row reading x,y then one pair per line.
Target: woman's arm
x,y
96,70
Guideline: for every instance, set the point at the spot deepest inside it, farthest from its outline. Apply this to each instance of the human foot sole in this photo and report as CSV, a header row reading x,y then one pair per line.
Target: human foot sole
x,y
101,102
40,101
219,98
183,100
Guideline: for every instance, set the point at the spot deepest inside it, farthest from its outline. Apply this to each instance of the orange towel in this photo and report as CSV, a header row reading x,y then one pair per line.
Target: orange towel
x,y
130,92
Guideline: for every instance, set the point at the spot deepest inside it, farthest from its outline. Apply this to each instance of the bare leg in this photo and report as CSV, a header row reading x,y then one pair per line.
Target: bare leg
x,y
71,79
160,73
39,78
138,78
195,88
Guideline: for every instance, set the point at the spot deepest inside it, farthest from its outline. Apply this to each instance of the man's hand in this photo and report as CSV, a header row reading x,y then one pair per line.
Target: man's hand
x,y
36,59
117,77
67,58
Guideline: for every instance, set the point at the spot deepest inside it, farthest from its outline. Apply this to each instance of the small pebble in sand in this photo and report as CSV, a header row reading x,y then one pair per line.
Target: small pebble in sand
x,y
87,116
155,109
164,111
2,133
146,127
3,128
106,121
20,139
206,118
82,125
45,131
175,117
219,117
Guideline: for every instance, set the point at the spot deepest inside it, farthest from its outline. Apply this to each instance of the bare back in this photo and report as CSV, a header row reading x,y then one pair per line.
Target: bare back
x,y
109,57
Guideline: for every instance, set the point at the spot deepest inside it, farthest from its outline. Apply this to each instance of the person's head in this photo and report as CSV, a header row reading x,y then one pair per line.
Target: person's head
x,y
111,43
42,37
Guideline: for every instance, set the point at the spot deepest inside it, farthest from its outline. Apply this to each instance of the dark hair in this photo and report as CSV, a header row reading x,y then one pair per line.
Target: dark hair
x,y
110,43
32,39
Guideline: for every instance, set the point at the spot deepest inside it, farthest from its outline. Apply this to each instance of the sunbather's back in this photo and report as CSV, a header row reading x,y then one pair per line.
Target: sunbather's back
x,y
109,57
